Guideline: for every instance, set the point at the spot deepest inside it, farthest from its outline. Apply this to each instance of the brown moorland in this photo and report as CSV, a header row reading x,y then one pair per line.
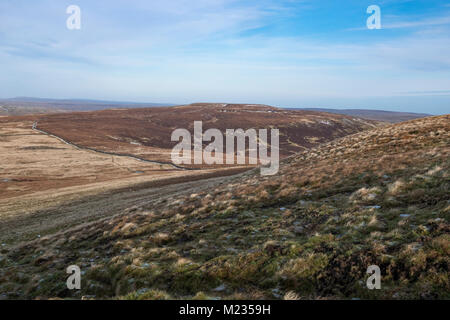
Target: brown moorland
x,y
377,197
46,183
146,132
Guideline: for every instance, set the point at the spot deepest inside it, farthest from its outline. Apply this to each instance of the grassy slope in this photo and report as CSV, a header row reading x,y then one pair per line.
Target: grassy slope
x,y
378,197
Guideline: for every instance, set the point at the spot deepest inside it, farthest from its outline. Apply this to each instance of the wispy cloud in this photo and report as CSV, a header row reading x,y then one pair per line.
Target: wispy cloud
x,y
250,50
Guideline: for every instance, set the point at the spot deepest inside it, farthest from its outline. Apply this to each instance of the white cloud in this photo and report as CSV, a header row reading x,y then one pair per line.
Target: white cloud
x,y
181,51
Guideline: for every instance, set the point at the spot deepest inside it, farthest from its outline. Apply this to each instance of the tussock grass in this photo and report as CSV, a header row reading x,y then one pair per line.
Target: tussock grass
x,y
378,197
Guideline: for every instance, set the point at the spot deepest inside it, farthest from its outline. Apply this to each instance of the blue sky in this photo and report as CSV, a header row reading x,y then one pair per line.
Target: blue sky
x,y
310,53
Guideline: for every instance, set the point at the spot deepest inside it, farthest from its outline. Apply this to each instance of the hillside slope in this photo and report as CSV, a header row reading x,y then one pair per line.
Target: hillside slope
x,y
147,132
378,197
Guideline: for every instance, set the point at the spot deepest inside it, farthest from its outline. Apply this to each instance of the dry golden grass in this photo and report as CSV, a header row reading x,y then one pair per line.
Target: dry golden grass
x,y
309,232
46,184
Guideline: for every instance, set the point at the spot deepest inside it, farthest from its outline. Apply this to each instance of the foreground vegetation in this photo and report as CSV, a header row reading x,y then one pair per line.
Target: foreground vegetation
x,y
378,197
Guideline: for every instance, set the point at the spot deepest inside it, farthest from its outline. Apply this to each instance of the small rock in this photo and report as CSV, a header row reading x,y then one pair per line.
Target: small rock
x,y
220,288
276,293
142,290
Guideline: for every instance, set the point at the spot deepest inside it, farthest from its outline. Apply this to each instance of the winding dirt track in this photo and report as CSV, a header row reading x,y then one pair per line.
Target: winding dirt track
x,y
62,185
106,204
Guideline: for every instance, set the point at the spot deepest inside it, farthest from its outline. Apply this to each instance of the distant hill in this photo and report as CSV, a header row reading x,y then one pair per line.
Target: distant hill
x,y
378,115
20,110
146,132
29,105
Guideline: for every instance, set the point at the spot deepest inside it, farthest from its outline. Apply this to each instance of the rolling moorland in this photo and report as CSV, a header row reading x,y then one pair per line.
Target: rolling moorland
x,y
146,132
375,197
47,183
29,105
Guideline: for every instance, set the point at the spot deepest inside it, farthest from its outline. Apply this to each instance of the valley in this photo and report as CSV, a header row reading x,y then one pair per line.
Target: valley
x,y
67,169
375,197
